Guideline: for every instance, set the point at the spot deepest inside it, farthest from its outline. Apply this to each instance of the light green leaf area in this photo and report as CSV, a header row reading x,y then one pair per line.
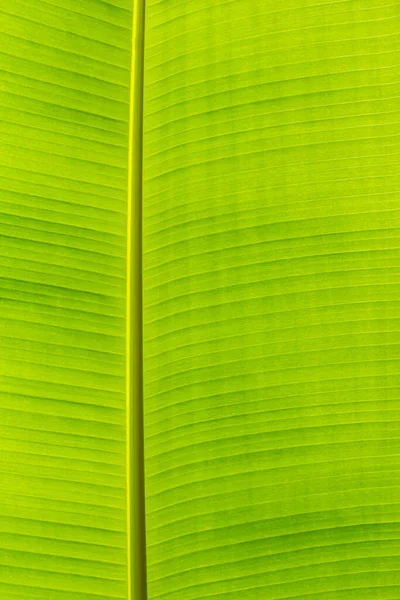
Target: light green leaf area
x,y
271,299
64,111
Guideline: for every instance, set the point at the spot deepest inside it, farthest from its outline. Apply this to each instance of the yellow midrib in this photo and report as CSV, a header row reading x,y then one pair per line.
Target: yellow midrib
x,y
136,576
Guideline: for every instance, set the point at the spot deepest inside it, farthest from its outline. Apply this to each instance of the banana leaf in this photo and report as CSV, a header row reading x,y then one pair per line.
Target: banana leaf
x,y
199,300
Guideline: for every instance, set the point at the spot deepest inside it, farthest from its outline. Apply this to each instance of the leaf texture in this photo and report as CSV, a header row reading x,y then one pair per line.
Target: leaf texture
x,y
271,299
64,121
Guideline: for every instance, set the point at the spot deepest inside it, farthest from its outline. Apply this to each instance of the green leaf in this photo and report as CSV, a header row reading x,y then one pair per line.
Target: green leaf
x,y
271,300
234,166
64,124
